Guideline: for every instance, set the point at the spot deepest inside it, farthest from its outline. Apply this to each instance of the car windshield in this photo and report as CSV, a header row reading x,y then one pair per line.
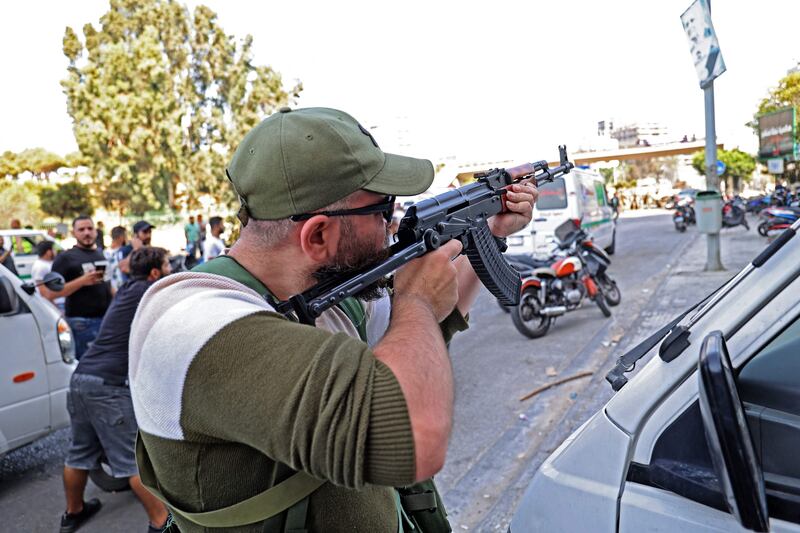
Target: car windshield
x,y
552,195
24,244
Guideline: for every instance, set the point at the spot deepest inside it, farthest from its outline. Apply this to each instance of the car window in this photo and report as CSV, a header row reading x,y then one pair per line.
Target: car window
x,y
552,195
771,378
769,387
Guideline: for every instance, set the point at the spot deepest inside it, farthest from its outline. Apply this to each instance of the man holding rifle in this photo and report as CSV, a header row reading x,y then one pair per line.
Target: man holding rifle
x,y
252,421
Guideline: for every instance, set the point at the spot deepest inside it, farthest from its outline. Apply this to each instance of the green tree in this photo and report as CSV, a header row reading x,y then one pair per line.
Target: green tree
x,y
19,200
66,200
739,167
161,96
37,161
786,94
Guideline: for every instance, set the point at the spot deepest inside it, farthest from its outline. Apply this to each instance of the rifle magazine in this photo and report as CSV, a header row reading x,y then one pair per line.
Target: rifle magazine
x,y
495,273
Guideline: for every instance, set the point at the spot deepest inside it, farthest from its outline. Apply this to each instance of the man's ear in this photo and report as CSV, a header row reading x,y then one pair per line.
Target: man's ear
x,y
155,274
319,238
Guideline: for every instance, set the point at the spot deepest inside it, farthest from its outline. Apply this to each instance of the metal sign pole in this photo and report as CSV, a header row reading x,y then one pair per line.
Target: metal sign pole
x,y
713,260
708,63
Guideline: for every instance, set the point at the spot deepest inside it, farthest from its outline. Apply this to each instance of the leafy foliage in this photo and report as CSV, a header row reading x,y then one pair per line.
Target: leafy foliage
x,y
739,166
786,94
19,200
161,96
67,200
37,161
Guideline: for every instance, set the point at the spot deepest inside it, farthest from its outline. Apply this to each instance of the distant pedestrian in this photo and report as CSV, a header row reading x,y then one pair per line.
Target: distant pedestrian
x,y
87,296
615,204
214,246
119,238
192,232
6,257
101,410
142,235
100,240
43,265
201,226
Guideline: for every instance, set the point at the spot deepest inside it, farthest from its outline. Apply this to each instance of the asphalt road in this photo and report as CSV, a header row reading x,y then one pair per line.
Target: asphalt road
x,y
495,435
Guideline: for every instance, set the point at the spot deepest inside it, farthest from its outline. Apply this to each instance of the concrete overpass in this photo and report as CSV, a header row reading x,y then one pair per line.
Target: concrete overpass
x,y
466,172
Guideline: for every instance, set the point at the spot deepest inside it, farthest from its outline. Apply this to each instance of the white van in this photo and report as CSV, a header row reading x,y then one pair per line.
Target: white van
x,y
706,437
579,195
22,243
37,358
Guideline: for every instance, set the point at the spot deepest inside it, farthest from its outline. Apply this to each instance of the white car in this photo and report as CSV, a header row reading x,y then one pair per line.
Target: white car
x,y
580,196
23,245
706,437
38,358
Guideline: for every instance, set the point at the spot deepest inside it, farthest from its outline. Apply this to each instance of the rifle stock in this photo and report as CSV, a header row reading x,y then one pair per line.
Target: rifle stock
x,y
460,213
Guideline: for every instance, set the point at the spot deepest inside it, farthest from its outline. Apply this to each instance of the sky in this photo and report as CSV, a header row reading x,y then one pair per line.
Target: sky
x,y
467,80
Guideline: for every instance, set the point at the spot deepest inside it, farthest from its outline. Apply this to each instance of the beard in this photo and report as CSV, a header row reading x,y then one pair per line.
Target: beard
x,y
352,257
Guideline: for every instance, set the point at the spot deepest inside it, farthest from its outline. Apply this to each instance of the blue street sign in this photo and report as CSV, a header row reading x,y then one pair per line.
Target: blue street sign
x,y
720,168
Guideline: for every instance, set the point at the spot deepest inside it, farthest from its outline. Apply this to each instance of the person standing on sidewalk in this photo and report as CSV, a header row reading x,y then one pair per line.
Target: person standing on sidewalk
x,y
87,296
99,401
119,238
201,227
43,265
142,235
214,246
192,232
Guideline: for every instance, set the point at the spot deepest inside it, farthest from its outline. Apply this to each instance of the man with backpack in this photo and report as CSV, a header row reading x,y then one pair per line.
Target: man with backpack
x,y
252,421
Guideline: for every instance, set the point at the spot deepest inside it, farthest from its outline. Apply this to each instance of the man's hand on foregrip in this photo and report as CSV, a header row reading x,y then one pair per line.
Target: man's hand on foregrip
x,y
518,202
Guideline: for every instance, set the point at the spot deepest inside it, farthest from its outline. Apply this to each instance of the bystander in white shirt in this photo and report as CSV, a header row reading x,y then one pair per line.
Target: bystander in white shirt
x,y
39,269
212,247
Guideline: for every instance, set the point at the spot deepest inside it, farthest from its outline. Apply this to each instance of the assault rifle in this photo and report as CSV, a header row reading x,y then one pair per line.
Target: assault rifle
x,y
457,214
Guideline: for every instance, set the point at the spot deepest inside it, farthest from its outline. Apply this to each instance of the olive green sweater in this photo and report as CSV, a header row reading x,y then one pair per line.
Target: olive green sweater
x,y
232,398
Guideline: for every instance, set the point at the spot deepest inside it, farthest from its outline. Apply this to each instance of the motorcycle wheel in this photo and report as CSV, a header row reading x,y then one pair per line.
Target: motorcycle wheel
x,y
600,300
611,292
680,227
763,228
526,318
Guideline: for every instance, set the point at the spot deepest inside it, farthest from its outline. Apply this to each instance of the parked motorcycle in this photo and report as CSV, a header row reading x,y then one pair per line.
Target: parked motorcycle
x,y
733,214
551,291
683,216
777,219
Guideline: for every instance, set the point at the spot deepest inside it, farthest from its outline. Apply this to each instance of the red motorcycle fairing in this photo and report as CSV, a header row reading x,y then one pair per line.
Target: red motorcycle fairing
x,y
591,287
565,267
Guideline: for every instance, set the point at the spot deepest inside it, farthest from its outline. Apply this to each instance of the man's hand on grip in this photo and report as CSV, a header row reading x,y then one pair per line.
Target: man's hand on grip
x,y
431,280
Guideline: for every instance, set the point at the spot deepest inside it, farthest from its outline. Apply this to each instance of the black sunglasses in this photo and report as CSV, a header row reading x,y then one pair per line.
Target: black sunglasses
x,y
385,207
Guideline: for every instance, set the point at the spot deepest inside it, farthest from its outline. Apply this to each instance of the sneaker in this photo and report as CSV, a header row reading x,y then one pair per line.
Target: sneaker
x,y
71,522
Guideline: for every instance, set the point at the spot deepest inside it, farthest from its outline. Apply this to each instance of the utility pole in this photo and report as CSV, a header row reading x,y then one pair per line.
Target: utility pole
x,y
708,62
713,259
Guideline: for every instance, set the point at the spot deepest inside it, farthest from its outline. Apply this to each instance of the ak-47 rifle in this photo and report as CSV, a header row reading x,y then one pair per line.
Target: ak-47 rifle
x,y
457,214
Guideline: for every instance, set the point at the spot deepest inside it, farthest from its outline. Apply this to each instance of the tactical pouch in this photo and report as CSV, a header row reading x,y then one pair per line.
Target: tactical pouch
x,y
424,508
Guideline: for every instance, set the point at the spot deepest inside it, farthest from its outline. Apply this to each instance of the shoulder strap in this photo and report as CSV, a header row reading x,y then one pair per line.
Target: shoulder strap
x,y
262,506
354,310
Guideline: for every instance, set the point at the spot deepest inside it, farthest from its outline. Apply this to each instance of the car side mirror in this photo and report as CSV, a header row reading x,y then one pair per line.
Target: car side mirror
x,y
9,300
728,436
53,281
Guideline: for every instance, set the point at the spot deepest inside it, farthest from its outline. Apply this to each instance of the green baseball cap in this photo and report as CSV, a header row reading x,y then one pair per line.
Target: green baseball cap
x,y
297,161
